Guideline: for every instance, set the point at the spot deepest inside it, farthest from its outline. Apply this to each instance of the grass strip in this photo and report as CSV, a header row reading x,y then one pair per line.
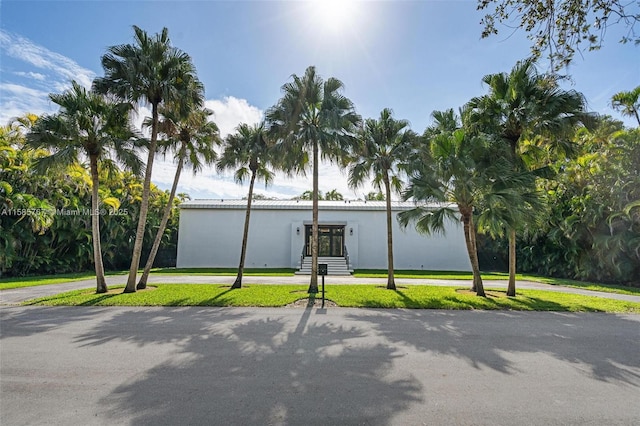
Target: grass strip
x,y
17,282
605,288
457,275
357,296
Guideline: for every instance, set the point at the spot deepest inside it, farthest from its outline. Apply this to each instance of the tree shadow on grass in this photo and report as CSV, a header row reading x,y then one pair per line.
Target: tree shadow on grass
x,y
408,301
98,299
218,299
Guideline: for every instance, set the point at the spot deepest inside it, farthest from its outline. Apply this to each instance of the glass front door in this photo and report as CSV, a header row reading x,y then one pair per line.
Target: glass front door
x,y
330,240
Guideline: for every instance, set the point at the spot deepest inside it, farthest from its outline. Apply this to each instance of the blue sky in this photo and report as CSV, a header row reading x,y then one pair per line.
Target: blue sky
x,y
412,56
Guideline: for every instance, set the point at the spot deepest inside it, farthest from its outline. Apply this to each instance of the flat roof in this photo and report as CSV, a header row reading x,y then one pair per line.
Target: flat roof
x,y
302,204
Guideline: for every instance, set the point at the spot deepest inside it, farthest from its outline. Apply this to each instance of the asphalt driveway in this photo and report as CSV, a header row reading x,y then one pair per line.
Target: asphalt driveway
x,y
241,366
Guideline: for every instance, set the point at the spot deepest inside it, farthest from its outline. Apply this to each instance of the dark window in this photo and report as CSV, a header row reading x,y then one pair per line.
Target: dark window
x,y
330,240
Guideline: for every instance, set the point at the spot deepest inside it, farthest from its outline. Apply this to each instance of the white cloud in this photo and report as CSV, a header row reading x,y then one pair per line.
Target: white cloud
x,y
230,112
211,184
18,99
25,50
330,177
138,117
19,96
17,90
33,75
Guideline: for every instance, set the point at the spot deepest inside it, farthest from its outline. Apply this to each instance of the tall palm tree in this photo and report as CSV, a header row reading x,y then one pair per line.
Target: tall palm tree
x,y
195,138
446,170
383,145
314,116
249,152
87,124
154,72
527,110
628,103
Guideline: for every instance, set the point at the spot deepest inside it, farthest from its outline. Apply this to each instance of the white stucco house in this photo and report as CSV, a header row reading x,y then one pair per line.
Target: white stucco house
x,y
350,232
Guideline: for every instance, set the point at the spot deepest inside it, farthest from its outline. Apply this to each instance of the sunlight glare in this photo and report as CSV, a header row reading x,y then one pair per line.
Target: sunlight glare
x,y
333,15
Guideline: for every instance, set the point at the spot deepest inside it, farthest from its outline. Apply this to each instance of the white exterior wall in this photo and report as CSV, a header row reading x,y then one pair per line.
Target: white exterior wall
x,y
411,250
212,237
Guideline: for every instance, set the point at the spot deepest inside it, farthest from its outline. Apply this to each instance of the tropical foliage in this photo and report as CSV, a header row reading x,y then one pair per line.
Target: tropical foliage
x,y
374,196
87,125
332,195
592,225
31,239
536,118
483,167
448,170
628,103
45,221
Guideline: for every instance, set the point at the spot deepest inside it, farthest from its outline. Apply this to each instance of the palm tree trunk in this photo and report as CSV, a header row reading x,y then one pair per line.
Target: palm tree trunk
x,y
511,288
313,285
245,236
474,246
95,227
142,284
469,246
391,283
144,205
477,278
469,236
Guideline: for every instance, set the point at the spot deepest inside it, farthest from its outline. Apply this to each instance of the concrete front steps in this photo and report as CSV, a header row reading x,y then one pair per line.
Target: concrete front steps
x,y
335,266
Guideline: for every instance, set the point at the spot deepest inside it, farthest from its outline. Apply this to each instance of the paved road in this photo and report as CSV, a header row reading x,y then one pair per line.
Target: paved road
x,y
15,296
240,366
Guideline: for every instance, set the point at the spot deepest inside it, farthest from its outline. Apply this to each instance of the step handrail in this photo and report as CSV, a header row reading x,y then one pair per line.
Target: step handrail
x,y
302,255
346,257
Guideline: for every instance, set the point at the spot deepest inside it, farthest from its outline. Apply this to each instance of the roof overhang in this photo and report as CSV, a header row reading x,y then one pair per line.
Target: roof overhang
x,y
217,204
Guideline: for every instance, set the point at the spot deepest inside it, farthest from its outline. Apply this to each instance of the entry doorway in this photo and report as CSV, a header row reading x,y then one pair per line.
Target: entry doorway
x,y
330,240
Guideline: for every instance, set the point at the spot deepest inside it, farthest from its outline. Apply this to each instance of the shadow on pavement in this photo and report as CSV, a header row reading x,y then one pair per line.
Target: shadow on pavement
x,y
234,369
564,336
239,366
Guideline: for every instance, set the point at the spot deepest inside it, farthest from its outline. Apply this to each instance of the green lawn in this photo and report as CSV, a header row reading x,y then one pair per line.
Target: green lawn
x,y
453,275
359,296
606,288
17,282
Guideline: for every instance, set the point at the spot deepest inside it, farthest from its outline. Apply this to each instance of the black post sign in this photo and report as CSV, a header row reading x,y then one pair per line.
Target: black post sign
x,y
322,270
